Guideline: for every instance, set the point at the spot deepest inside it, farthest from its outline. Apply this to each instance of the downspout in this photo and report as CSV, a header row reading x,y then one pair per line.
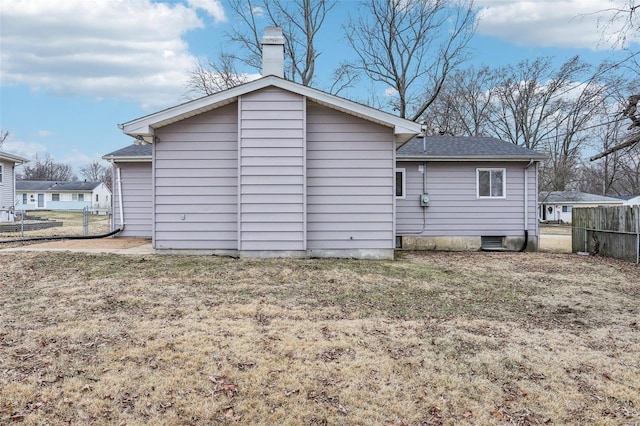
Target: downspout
x,y
526,205
120,204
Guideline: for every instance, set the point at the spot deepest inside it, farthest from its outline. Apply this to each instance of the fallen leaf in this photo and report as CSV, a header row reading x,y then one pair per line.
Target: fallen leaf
x,y
230,389
228,411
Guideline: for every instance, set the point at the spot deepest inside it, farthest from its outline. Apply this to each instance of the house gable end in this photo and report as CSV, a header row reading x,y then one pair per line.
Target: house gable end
x,y
144,128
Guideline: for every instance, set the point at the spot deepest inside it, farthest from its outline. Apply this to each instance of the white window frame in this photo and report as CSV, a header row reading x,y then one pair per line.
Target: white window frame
x,y
74,197
504,182
403,171
80,197
53,196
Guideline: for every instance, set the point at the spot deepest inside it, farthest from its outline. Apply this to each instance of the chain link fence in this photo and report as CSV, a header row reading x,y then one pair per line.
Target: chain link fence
x,y
56,223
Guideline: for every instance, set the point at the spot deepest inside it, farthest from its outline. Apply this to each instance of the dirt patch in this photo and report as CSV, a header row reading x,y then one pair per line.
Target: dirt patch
x,y
555,243
98,243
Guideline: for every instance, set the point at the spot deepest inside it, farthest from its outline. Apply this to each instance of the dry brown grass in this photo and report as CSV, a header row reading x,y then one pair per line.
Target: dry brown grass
x,y
71,225
431,338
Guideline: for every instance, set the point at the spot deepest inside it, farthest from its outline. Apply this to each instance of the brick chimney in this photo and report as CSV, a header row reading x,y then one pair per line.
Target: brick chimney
x,y
273,52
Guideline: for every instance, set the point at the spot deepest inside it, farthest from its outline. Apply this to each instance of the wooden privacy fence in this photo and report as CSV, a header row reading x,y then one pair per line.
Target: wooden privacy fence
x,y
608,231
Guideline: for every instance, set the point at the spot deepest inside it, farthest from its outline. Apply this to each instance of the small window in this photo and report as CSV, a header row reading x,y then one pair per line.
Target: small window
x,y
24,198
401,183
80,197
55,197
74,197
567,209
491,183
96,198
1,170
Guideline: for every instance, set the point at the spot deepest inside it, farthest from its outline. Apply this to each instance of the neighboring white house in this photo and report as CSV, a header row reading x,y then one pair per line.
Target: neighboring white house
x,y
61,195
558,205
8,162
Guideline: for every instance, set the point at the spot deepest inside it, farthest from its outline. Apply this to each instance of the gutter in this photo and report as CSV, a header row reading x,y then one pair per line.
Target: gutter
x,y
137,159
464,158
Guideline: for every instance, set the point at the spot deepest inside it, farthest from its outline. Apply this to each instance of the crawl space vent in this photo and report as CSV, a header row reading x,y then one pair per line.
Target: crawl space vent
x,y
492,242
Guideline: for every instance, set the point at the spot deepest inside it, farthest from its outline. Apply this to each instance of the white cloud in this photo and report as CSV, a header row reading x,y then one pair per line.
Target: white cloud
x,y
548,23
258,11
212,7
77,159
24,149
390,92
126,49
44,133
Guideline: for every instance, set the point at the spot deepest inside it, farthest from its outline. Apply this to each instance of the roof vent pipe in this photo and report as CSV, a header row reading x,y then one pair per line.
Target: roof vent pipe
x,y
273,52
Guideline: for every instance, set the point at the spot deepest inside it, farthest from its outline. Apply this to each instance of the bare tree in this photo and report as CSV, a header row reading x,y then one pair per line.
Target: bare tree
x,y
4,135
625,17
464,104
411,46
300,21
46,169
604,177
533,104
96,171
214,76
529,98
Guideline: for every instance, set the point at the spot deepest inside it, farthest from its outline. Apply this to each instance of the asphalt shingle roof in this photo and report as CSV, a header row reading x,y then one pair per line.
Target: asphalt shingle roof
x,y
132,150
52,185
560,197
452,147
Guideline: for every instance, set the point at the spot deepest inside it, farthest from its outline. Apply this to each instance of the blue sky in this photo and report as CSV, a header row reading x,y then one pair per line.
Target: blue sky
x,y
71,70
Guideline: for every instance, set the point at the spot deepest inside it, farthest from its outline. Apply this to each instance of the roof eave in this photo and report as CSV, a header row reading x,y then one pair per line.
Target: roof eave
x,y
16,159
128,159
468,158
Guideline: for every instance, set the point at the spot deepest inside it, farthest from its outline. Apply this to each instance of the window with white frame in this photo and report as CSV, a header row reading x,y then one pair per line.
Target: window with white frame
x,y
24,198
1,173
80,197
567,209
491,183
401,183
74,197
55,197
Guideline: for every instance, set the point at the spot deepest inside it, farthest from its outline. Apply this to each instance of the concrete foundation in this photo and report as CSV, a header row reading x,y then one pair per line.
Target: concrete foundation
x,y
463,243
375,254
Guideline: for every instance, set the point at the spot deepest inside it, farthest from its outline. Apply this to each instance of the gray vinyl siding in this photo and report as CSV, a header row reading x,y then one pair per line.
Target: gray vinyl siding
x,y
455,210
138,203
196,180
272,169
350,183
7,185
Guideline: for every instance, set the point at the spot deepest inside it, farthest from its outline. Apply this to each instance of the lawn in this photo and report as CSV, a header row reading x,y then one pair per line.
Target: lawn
x,y
431,338
72,224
